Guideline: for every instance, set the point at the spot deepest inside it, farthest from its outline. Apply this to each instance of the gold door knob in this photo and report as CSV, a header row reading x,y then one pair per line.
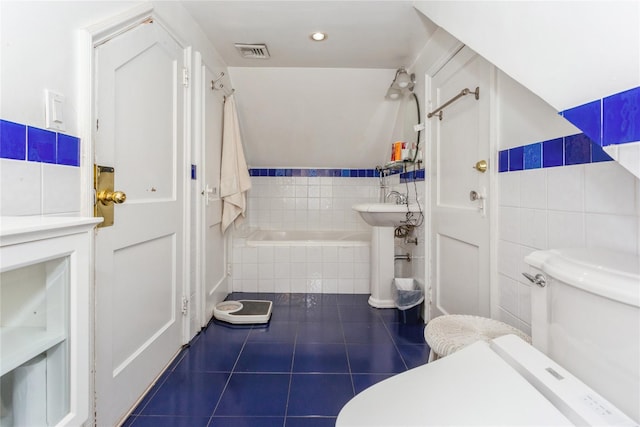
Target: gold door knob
x,y
481,166
106,197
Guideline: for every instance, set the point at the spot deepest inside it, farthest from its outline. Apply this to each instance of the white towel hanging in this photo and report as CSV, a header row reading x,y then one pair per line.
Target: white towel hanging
x,y
234,174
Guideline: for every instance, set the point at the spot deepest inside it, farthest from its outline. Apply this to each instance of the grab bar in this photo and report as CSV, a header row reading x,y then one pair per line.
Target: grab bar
x,y
405,257
462,93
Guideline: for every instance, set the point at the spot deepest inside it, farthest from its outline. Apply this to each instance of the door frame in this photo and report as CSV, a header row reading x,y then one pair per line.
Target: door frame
x,y
88,38
200,90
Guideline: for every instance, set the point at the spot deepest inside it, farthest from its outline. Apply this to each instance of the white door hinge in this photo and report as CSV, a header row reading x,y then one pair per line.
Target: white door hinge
x,y
185,305
229,269
185,77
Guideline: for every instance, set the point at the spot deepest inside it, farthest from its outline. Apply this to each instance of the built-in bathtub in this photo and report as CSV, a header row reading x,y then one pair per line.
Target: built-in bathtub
x,y
302,261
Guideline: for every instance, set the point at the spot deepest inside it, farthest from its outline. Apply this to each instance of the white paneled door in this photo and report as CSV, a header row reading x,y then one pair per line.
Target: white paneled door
x,y
460,214
139,280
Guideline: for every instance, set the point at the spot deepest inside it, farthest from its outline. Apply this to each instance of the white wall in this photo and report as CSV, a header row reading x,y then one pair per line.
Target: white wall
x,y
567,52
42,49
308,203
588,205
315,117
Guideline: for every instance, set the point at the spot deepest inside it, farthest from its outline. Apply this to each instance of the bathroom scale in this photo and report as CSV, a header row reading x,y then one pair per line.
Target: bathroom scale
x,y
243,312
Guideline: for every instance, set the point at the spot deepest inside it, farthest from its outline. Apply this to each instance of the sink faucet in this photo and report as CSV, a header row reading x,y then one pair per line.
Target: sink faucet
x,y
401,199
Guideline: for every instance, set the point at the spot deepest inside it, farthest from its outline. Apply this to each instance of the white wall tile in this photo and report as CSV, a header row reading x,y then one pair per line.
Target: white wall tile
x,y
533,189
329,286
614,232
298,285
509,259
508,294
60,189
298,270
361,286
522,265
266,271
346,286
346,270
298,254
609,188
282,285
361,270
314,270
362,254
314,286
330,270
301,191
566,188
249,271
20,187
314,254
566,229
266,285
509,224
533,228
249,255
282,270
524,303
346,254
265,254
509,189
330,254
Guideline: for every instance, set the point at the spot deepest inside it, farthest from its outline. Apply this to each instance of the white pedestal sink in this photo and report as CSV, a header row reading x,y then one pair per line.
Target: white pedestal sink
x,y
384,217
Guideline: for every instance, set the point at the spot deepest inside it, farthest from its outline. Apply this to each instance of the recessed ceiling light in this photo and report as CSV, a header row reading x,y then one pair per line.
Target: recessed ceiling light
x,y
318,36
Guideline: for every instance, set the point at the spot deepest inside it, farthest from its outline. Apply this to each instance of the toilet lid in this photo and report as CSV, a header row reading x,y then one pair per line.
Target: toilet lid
x,y
477,386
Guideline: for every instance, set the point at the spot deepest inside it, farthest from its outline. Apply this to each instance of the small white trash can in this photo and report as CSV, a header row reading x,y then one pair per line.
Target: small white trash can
x,y
408,297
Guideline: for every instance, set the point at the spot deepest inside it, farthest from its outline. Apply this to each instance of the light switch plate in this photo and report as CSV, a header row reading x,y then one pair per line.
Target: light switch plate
x,y
54,110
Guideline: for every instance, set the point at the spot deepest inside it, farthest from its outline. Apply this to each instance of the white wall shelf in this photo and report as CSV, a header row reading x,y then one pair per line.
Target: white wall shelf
x,y
44,320
20,344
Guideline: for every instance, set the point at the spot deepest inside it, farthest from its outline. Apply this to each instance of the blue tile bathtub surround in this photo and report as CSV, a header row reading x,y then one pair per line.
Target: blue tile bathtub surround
x,y
317,352
21,142
611,120
570,150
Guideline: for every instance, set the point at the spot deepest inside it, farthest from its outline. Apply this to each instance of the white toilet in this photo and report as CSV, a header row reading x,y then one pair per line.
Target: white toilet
x,y
583,368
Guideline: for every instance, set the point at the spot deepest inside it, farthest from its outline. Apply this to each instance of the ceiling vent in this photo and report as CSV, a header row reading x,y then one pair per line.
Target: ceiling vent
x,y
253,51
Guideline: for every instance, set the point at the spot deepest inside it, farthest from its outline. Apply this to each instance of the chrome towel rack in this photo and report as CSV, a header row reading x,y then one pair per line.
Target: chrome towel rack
x,y
463,92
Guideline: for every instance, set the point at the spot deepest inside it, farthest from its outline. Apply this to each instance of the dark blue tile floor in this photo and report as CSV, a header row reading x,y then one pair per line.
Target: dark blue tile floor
x,y
316,353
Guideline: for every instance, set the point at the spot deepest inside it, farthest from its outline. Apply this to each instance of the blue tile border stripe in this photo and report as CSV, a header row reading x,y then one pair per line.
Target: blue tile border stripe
x,y
329,172
417,175
28,143
611,120
570,150
308,172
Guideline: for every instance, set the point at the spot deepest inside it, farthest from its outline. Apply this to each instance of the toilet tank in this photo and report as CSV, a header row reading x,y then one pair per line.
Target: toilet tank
x,y
587,318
